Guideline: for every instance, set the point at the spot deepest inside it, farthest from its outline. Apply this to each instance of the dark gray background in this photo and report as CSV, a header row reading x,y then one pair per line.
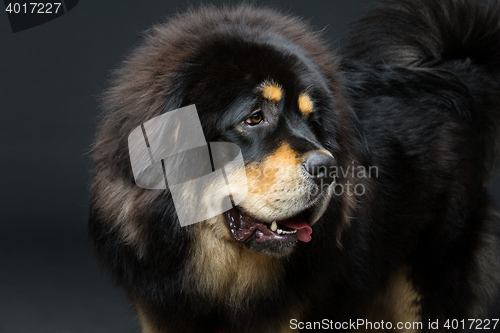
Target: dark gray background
x,y
50,80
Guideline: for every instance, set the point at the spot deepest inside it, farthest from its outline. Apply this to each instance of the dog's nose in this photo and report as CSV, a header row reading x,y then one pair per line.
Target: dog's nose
x,y
320,167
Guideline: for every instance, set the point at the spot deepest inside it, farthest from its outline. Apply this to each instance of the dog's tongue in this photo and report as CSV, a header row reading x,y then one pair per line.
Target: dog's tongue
x,y
303,229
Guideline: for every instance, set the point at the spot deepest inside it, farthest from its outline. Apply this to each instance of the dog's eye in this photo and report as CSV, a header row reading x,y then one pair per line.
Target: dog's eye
x,y
255,119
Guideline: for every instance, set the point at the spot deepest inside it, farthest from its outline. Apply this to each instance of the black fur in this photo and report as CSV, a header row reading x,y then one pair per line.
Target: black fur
x,y
415,93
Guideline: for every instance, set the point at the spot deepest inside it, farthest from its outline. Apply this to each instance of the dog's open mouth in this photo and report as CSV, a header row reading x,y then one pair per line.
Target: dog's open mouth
x,y
246,229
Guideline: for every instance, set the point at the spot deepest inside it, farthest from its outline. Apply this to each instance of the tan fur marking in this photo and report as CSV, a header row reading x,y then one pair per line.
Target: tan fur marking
x,y
226,271
305,104
277,186
146,325
400,302
272,91
282,157
284,154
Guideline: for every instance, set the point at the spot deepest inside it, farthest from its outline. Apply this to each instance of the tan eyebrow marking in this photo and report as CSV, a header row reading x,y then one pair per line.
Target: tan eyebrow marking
x,y
305,104
271,91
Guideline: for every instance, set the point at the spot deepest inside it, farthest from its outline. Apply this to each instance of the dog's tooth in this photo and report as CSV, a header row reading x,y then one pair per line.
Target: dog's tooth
x,y
274,226
280,231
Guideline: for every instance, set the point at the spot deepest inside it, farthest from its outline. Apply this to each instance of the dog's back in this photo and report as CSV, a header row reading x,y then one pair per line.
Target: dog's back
x,y
424,79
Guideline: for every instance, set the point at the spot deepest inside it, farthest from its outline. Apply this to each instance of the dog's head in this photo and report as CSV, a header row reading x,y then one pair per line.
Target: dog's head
x,y
258,79
269,98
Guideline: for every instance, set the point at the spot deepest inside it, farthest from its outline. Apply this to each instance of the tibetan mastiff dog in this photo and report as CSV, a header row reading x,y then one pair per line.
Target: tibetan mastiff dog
x,y
367,170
